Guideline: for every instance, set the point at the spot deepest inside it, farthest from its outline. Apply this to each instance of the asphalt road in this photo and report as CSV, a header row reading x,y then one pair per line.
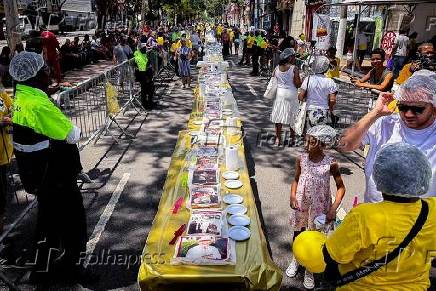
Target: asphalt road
x,y
129,176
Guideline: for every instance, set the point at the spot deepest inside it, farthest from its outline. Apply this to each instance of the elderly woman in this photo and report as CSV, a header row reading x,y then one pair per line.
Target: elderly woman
x,y
285,106
184,56
319,92
381,246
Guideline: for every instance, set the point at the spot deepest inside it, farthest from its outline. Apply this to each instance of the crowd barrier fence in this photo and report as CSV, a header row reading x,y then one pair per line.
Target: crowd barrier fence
x,y
352,103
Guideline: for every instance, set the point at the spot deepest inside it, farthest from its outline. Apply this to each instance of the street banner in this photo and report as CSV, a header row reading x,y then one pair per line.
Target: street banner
x,y
321,31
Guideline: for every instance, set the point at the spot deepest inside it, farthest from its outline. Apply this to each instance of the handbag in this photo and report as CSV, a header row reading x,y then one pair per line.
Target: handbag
x,y
300,120
333,276
271,89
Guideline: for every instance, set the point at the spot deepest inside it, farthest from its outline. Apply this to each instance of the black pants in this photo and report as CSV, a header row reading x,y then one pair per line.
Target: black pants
x,y
255,61
3,188
226,48
61,226
147,92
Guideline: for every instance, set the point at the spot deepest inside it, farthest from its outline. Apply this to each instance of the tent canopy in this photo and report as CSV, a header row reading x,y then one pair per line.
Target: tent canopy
x,y
380,2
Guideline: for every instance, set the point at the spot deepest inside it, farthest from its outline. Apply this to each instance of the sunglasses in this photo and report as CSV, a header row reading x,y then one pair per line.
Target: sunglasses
x,y
415,109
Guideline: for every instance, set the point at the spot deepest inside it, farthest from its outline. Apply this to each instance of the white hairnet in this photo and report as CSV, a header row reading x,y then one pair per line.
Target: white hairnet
x,y
323,133
25,65
403,170
286,53
320,65
420,87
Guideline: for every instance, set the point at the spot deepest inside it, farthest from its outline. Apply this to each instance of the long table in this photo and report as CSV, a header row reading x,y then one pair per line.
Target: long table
x,y
254,269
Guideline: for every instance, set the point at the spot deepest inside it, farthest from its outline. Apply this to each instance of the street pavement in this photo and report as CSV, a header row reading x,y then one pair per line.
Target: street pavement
x,y
129,176
272,168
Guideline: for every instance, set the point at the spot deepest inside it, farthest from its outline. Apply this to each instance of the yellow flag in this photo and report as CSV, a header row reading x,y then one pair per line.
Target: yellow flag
x,y
113,107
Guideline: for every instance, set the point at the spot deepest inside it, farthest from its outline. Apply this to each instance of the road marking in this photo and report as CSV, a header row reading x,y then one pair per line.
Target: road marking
x,y
252,90
104,218
171,87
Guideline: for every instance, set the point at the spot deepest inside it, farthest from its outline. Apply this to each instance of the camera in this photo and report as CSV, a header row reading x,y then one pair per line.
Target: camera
x,y
425,62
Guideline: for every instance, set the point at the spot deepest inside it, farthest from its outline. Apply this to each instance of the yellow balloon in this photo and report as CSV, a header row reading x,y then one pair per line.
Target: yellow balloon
x,y
307,249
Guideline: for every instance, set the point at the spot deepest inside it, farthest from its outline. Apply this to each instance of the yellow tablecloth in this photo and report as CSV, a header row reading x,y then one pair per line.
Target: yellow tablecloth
x,y
254,269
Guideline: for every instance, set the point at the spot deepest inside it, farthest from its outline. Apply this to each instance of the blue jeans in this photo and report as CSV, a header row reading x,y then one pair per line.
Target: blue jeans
x,y
398,65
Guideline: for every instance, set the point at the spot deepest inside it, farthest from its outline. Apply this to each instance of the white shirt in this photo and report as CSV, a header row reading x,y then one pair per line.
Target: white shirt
x,y
319,89
285,79
200,252
402,42
391,129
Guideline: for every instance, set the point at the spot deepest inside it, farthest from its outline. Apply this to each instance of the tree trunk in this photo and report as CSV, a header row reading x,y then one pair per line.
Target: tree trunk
x,y
340,40
12,23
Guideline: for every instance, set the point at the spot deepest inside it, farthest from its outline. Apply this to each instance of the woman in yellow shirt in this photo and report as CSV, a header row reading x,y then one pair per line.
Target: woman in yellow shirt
x,y
376,232
333,71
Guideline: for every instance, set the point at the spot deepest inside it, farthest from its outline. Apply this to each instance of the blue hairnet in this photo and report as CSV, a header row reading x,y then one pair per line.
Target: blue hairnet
x,y
402,170
25,65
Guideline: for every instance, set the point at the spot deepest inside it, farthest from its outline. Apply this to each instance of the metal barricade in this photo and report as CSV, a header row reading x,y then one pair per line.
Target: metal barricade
x,y
352,103
86,106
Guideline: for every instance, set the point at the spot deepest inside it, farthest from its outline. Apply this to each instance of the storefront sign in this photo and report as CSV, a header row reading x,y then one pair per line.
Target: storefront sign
x,y
388,42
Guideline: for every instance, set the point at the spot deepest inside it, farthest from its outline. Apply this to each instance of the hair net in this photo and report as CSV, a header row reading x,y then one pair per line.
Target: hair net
x,y
323,133
420,87
286,53
320,65
402,170
307,249
25,65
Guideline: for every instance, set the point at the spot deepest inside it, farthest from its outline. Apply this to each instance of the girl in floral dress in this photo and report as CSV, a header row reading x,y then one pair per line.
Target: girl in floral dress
x,y
310,192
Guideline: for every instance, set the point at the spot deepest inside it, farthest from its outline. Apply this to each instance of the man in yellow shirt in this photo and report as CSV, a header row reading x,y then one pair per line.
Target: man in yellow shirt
x,y
219,31
232,38
377,232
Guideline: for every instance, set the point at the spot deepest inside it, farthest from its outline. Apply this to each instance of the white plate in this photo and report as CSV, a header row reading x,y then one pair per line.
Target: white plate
x,y
233,199
230,175
239,233
239,220
233,184
197,122
236,209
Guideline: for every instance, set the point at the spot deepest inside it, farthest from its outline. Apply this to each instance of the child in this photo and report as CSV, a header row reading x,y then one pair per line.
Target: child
x,y
310,192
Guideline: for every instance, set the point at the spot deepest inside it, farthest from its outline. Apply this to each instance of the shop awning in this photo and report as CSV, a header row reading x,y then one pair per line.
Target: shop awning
x,y
380,2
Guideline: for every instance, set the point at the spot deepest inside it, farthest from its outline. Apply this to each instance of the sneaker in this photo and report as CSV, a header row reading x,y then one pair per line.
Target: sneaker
x,y
309,281
291,271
